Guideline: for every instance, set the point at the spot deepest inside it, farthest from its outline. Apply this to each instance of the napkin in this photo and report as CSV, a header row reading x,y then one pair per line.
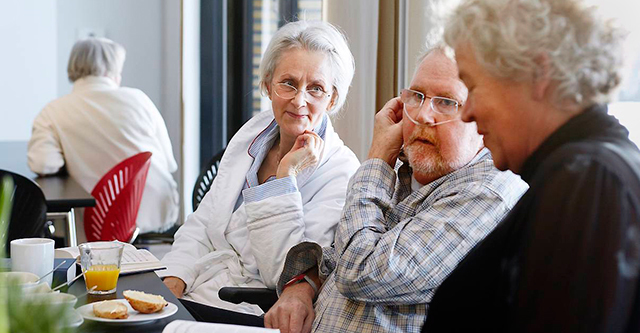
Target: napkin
x,y
183,326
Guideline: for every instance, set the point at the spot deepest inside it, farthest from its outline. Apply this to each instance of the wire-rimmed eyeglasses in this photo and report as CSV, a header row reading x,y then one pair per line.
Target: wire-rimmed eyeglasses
x,y
413,101
287,91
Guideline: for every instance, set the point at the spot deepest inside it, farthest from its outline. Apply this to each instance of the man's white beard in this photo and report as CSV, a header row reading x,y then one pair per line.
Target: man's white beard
x,y
426,160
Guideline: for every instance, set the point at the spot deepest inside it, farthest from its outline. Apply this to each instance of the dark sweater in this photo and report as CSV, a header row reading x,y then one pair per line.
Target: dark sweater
x,y
567,257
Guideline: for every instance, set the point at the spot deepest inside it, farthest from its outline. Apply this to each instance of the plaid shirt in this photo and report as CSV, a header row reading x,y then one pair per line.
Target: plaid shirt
x,y
393,247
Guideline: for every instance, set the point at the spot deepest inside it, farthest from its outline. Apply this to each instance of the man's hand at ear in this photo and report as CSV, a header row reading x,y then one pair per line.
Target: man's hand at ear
x,y
387,132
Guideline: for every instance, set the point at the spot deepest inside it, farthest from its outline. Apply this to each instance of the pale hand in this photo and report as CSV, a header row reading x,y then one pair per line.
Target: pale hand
x,y
304,153
387,132
293,312
176,285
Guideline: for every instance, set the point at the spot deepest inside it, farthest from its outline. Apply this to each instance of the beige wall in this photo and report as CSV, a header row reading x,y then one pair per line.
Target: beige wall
x,y
355,124
27,64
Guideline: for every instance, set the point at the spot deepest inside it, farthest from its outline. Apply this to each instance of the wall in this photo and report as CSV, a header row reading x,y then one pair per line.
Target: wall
x,y
38,36
425,21
169,103
136,25
150,32
418,23
190,99
27,64
355,124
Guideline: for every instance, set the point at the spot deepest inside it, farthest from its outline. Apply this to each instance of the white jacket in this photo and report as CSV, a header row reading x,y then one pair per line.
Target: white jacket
x,y
217,247
97,126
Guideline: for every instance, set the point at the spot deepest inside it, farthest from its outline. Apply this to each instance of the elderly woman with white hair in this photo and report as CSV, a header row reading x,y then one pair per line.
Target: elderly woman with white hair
x,y
99,124
567,257
282,179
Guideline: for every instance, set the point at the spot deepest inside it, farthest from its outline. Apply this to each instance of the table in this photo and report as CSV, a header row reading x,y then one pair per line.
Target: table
x,y
61,192
147,282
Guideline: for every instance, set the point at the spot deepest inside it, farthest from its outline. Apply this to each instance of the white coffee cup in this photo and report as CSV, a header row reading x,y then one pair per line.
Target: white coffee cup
x,y
34,255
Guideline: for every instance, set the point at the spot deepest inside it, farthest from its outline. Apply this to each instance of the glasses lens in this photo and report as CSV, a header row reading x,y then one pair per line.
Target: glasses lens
x,y
444,105
316,92
410,98
412,101
315,95
285,90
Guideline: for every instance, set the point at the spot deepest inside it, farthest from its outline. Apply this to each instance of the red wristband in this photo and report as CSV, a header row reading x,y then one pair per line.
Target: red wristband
x,y
294,280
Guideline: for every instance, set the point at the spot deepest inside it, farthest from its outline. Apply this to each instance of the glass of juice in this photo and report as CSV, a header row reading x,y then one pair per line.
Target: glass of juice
x,y
100,263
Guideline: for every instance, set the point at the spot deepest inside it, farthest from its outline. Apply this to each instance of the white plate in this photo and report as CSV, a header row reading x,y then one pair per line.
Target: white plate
x,y
86,311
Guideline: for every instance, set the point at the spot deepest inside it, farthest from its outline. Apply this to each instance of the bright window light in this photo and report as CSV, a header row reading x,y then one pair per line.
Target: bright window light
x,y
627,102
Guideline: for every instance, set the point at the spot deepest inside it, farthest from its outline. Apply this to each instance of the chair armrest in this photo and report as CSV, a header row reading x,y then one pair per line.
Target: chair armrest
x,y
263,297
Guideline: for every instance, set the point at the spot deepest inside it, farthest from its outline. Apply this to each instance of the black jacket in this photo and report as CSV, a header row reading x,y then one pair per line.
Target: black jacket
x,y
567,257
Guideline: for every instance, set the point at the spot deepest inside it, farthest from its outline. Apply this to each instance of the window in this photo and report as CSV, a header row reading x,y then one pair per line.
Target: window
x,y
234,34
422,17
267,19
626,105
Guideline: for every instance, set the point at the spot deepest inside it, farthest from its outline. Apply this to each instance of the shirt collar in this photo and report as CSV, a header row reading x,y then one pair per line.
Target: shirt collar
x,y
409,184
94,83
415,184
594,121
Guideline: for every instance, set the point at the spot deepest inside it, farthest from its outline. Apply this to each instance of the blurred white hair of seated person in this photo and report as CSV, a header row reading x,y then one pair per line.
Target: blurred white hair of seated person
x,y
96,57
99,124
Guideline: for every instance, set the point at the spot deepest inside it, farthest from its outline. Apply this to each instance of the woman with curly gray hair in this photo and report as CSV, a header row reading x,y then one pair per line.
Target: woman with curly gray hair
x,y
567,257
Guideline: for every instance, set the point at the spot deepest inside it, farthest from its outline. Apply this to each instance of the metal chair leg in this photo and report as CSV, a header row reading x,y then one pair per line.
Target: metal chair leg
x,y
71,228
70,236
135,235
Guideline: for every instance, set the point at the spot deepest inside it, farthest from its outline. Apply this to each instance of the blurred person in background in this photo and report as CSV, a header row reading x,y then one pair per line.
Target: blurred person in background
x,y
99,124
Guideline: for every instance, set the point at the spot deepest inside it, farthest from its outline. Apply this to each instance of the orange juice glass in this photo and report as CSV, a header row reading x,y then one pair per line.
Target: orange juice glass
x,y
100,263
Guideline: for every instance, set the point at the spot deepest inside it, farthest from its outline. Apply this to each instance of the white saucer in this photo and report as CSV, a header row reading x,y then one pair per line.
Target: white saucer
x,y
74,320
135,317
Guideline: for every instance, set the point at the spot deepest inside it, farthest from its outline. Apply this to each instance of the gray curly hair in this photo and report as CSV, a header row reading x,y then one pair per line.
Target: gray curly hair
x,y
313,36
508,37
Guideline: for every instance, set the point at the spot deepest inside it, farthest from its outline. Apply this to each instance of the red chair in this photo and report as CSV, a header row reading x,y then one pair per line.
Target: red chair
x,y
118,196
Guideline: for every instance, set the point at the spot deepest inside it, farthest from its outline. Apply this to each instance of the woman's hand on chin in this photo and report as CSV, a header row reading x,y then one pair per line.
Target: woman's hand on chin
x,y
304,153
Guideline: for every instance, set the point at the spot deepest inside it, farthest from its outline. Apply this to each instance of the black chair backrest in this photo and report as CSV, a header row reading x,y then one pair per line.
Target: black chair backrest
x,y
29,210
204,181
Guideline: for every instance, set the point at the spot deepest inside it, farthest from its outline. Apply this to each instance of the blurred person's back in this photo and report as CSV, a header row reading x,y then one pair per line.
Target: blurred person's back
x,y
98,125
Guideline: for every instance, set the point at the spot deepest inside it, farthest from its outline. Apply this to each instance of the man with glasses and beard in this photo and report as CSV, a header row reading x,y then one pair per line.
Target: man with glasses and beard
x,y
427,193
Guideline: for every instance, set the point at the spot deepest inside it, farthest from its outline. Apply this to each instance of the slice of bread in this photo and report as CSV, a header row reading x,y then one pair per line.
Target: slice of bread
x,y
111,310
143,302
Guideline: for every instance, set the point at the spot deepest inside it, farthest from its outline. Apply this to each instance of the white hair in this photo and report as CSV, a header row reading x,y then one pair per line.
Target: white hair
x,y
96,57
312,36
510,36
437,13
439,46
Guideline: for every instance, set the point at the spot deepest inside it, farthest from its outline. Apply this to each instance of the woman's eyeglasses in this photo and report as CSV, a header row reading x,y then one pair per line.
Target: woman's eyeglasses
x,y
413,101
287,91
